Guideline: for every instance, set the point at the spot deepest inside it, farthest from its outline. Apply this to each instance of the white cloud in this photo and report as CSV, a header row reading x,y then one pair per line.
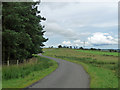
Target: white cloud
x,y
81,43
54,29
99,38
72,23
78,0
79,14
67,43
77,41
103,25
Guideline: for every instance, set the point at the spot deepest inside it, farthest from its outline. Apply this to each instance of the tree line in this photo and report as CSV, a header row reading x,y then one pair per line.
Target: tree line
x,y
77,47
22,33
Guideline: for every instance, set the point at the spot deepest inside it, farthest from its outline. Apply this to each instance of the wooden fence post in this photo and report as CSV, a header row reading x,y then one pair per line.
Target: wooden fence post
x,y
36,59
24,61
17,62
8,63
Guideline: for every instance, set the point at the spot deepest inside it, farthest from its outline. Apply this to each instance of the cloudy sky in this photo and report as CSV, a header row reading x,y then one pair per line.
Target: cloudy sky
x,y
73,23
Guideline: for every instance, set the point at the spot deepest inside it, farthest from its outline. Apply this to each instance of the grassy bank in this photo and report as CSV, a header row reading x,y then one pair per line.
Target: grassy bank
x,y
25,74
101,68
104,53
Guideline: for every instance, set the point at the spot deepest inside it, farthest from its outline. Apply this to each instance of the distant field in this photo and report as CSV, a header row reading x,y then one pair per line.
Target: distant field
x,y
99,52
25,74
103,69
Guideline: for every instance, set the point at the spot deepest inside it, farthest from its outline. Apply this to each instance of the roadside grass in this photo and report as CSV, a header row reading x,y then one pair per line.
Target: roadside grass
x,y
103,70
104,53
25,74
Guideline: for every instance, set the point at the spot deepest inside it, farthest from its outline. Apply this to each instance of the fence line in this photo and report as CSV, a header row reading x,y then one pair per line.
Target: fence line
x,y
17,62
13,62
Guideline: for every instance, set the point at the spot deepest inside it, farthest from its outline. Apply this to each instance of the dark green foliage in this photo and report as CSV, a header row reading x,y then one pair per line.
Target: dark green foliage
x,y
22,32
81,48
60,46
92,49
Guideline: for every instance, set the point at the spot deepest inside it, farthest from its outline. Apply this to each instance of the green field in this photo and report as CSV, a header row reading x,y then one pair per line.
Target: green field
x,y
105,53
103,69
25,74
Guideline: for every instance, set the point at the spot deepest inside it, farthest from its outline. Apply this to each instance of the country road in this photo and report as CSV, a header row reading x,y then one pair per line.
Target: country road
x,y
67,75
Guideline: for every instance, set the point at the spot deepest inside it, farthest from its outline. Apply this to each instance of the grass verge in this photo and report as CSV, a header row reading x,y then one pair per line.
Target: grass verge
x,y
24,75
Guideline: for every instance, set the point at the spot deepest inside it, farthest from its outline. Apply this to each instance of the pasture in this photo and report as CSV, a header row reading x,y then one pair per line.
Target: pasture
x,y
104,53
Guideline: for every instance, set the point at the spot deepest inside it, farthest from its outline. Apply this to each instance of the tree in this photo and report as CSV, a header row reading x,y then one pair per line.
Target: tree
x,y
51,47
60,46
75,47
99,49
64,46
92,49
71,47
81,48
22,32
67,47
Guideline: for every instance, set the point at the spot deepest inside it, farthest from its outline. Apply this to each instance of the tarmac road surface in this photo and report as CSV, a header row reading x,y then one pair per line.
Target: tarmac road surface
x,y
67,75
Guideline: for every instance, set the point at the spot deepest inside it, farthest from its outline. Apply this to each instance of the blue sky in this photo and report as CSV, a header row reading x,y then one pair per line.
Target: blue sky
x,y
72,23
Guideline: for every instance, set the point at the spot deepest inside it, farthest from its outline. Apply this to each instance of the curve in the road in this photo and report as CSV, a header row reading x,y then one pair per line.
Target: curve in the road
x,y
67,75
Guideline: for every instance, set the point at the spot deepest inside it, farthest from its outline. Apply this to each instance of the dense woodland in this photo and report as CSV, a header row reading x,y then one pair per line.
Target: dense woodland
x,y
22,33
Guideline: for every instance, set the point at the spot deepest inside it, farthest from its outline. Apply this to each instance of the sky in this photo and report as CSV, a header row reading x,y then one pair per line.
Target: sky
x,y
89,24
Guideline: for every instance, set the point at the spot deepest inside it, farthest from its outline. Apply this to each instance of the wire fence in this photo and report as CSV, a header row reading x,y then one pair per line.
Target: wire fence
x,y
15,62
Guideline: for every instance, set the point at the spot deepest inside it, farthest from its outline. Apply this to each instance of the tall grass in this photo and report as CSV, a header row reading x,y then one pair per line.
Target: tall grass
x,y
21,71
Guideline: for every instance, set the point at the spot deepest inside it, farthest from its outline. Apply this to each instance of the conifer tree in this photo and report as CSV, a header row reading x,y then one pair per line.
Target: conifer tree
x,y
22,33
